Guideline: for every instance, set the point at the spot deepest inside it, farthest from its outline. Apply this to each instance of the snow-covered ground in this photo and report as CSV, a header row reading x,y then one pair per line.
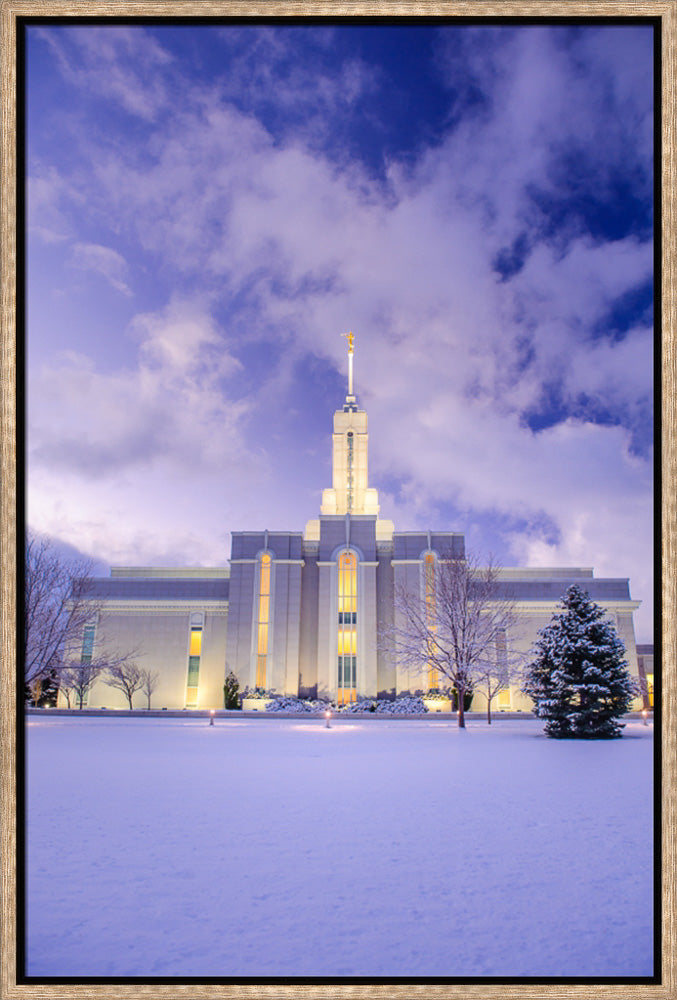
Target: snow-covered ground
x,y
278,847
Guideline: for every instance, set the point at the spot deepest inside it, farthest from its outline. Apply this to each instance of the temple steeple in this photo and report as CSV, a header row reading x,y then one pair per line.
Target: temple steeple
x,y
350,492
351,339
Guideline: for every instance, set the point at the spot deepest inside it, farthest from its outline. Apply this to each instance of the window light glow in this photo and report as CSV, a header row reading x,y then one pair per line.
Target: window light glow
x,y
263,621
347,628
504,698
195,642
194,653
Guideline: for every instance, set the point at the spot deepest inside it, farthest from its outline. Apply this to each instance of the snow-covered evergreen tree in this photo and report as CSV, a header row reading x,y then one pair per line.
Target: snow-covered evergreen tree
x,y
579,679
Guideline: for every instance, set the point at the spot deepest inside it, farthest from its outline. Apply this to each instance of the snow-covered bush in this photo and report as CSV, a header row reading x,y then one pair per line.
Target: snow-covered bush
x,y
401,706
256,693
286,703
382,706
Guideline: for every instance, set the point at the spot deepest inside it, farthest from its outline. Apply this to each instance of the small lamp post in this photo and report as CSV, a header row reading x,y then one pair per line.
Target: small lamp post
x,y
211,717
327,716
644,717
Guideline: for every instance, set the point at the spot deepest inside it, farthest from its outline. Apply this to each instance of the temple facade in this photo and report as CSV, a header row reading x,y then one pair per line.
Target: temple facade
x,y
302,612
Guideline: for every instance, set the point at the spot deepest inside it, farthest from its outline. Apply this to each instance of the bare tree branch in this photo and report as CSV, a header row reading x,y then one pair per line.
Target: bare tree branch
x,y
149,682
457,630
503,665
57,605
126,677
77,679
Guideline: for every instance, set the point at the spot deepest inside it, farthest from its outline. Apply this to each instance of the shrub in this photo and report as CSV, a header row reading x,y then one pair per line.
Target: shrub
x,y
231,697
285,703
467,699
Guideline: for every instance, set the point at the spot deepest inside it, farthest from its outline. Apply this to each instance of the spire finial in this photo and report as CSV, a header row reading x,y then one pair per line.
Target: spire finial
x,y
350,337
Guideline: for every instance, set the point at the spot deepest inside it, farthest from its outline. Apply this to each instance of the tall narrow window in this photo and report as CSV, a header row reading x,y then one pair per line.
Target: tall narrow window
x,y
194,653
502,670
87,644
347,628
263,622
433,680
86,655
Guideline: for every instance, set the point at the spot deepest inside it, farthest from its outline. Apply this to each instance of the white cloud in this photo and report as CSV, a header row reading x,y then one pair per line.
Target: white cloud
x,y
50,202
120,64
278,240
104,261
168,412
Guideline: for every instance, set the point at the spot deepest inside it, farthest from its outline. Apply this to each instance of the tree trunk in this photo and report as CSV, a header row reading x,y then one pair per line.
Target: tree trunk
x,y
461,709
488,710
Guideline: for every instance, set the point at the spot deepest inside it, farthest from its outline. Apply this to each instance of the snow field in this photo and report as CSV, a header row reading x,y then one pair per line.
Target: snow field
x,y
168,847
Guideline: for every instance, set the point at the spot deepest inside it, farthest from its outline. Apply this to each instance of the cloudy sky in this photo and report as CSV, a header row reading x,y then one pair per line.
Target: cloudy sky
x,y
210,207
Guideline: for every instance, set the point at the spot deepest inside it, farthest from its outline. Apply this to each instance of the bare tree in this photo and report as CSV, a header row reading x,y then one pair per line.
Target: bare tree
x,y
149,682
57,606
77,679
66,685
60,621
453,629
126,677
501,665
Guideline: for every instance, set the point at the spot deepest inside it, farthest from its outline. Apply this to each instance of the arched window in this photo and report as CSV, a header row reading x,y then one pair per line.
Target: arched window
x,y
347,628
429,570
263,621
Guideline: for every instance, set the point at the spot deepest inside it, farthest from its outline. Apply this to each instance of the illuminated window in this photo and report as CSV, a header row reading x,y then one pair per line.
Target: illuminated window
x,y
347,628
649,689
504,698
194,652
263,621
195,641
429,565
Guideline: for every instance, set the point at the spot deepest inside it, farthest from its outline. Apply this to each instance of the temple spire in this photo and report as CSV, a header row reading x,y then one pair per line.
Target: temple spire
x,y
350,492
350,337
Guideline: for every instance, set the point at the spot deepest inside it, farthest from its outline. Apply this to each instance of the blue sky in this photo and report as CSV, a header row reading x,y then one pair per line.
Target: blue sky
x,y
209,208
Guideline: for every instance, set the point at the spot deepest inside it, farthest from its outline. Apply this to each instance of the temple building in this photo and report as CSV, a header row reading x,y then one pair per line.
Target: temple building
x,y
301,612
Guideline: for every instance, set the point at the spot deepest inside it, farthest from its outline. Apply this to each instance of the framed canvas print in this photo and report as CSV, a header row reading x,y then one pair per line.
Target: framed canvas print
x,y
337,507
